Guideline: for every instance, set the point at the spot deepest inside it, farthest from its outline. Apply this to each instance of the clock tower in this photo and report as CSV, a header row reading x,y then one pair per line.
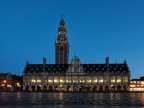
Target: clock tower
x,y
61,45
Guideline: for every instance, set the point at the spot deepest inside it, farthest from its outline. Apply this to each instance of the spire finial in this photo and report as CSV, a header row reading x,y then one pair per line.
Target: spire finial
x,y
27,61
125,62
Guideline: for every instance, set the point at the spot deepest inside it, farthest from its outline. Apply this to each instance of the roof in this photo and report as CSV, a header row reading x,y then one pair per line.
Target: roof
x,y
49,68
141,79
101,68
135,80
4,74
88,68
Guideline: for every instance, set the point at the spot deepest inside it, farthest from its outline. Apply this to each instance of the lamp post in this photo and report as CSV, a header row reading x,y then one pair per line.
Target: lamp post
x,y
18,85
4,84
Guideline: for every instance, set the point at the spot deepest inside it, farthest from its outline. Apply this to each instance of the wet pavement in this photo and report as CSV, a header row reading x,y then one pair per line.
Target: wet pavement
x,y
70,100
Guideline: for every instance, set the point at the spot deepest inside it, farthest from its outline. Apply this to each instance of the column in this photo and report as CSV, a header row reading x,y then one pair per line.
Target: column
x,y
85,82
91,83
72,82
59,83
78,83
35,87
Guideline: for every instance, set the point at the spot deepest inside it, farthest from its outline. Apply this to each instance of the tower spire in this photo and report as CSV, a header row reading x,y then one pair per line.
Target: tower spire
x,y
62,28
61,44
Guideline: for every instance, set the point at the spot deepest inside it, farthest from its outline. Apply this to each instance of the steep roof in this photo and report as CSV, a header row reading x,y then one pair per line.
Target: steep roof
x,y
88,68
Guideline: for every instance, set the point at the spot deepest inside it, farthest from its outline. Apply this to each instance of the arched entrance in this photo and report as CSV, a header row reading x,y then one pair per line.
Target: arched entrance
x,y
112,88
100,88
75,88
94,88
50,88
88,88
106,88
68,88
33,88
62,88
82,88
27,88
56,88
119,88
38,88
44,88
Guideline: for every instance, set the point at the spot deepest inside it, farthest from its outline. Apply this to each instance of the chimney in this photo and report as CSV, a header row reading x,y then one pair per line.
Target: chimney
x,y
44,61
107,61
125,62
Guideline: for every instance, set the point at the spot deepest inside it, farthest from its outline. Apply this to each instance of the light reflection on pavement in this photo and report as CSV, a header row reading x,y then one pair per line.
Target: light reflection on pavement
x,y
70,100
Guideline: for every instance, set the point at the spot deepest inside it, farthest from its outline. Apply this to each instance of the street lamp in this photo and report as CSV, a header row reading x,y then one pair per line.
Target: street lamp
x,y
18,85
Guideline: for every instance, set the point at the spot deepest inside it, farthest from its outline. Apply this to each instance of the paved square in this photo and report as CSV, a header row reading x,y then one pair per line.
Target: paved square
x,y
71,99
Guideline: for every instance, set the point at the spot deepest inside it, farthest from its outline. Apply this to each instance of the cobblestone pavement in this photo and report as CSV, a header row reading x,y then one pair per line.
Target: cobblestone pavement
x,y
82,100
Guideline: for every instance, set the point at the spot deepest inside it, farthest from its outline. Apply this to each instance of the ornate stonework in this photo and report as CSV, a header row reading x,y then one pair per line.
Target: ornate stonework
x,y
75,68
61,45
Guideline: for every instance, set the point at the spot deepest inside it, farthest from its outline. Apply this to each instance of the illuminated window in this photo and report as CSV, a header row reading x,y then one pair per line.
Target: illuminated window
x,y
38,80
61,80
56,79
142,82
118,79
50,81
75,79
94,79
68,81
33,80
113,79
100,79
81,81
132,85
45,81
125,79
88,79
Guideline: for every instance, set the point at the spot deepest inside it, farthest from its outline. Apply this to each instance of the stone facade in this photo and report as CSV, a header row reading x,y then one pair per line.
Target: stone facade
x,y
76,77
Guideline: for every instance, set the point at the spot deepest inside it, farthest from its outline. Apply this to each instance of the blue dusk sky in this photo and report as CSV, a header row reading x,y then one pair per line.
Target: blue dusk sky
x,y
95,29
